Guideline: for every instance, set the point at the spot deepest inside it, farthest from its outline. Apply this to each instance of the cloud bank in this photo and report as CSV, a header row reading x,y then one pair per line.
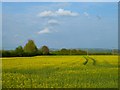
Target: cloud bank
x,y
59,12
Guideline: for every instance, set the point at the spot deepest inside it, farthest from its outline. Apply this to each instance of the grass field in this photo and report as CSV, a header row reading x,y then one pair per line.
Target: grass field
x,y
60,72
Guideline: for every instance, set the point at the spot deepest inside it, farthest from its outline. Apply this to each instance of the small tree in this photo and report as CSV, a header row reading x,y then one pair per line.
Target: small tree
x,y
30,47
45,50
64,51
19,51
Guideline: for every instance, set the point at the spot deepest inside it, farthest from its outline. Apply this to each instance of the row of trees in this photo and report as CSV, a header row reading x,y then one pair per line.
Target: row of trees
x,y
79,52
30,49
69,52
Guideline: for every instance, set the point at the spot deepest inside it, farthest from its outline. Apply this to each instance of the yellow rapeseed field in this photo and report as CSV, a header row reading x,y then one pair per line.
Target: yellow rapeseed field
x,y
60,72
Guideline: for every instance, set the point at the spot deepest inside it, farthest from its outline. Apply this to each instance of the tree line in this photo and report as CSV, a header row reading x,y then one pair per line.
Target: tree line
x,y
30,49
65,51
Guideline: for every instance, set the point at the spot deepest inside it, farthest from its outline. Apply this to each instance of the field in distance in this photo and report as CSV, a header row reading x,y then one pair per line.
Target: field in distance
x,y
60,72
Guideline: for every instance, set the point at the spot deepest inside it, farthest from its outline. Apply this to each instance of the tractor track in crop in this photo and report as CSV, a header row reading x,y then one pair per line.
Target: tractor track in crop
x,y
89,58
84,63
94,60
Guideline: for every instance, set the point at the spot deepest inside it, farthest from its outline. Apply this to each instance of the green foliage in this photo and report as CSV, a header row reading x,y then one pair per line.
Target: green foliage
x,y
5,53
30,47
0,53
45,50
69,52
39,52
19,51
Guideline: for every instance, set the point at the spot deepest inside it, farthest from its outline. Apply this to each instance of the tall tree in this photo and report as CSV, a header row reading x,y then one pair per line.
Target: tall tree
x,y
45,50
30,47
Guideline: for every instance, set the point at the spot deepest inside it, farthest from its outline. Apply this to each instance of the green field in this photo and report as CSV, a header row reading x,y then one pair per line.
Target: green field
x,y
60,72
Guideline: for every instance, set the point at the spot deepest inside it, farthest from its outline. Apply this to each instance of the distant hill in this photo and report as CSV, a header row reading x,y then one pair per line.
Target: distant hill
x,y
98,50
101,50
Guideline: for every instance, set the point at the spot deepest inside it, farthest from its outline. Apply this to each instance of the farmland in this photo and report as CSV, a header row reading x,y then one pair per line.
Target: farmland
x,y
60,72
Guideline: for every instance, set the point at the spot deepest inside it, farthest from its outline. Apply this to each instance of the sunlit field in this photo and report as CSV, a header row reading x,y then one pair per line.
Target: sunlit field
x,y
60,72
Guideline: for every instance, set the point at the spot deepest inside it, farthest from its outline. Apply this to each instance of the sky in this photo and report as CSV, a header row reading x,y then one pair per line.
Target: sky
x,y
60,0
60,24
0,25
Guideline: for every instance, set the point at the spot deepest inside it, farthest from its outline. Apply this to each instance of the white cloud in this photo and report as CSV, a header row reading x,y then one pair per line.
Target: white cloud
x,y
59,12
52,21
46,13
44,31
63,12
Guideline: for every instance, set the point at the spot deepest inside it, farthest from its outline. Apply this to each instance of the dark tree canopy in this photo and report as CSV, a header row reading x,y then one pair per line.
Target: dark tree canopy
x,y
64,51
45,50
30,47
19,51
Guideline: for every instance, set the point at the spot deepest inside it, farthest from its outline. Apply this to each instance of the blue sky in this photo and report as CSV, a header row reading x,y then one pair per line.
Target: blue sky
x,y
0,25
60,25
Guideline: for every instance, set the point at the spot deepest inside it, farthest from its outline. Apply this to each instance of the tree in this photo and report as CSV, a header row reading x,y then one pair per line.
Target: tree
x,y
19,51
30,47
45,50
5,53
74,52
64,51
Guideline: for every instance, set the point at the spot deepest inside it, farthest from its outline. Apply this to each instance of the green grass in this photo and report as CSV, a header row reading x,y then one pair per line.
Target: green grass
x,y
60,72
